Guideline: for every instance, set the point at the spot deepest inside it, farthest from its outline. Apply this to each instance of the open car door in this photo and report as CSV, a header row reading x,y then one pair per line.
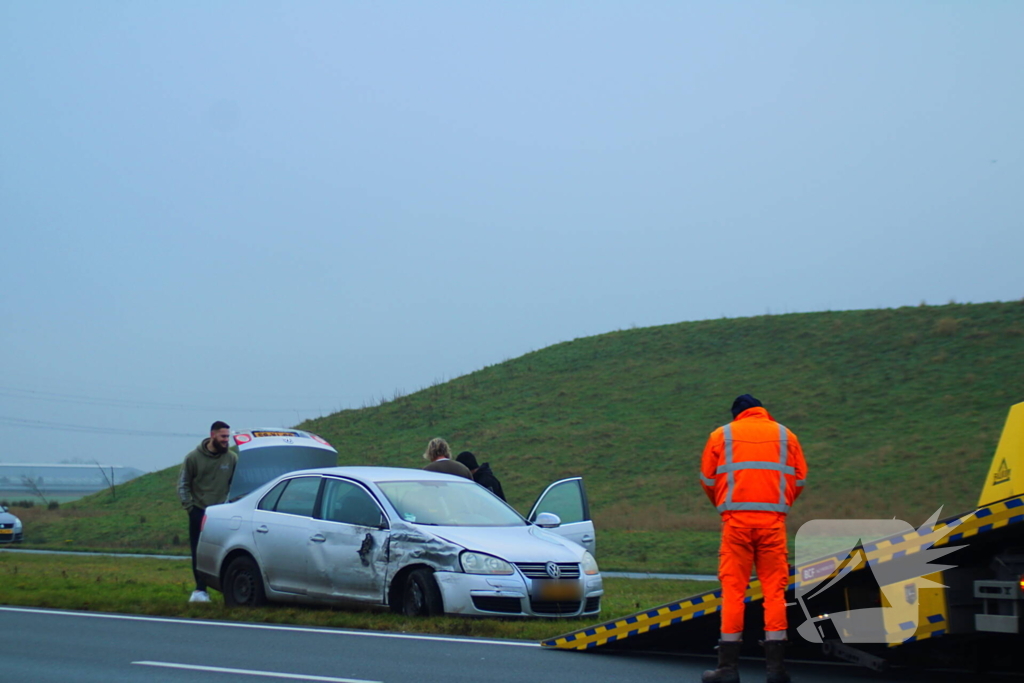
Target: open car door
x,y
567,498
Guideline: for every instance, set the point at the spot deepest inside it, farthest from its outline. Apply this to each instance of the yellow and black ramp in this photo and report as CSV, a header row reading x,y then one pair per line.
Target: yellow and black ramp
x,y
652,623
641,622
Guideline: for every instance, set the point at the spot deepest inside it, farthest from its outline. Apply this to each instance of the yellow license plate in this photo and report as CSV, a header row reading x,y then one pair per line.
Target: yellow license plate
x,y
559,590
6,532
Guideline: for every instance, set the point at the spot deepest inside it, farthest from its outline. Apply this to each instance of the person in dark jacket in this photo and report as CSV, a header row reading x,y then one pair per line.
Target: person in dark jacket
x,y
482,474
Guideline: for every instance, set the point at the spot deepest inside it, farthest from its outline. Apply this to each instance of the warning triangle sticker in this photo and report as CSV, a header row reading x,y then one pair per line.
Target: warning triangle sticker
x,y
1002,474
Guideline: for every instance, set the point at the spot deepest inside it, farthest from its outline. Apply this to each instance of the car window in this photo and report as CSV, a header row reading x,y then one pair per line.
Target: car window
x,y
346,502
444,503
565,500
270,500
299,496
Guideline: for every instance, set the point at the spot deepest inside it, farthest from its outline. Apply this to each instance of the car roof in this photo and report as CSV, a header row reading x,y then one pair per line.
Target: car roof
x,y
248,439
383,474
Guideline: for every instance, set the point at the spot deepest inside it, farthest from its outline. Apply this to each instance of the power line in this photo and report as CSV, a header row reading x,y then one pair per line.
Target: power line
x,y
32,394
91,385
87,429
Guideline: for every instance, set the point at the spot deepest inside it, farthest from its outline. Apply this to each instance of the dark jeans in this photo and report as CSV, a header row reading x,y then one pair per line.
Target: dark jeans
x,y
195,520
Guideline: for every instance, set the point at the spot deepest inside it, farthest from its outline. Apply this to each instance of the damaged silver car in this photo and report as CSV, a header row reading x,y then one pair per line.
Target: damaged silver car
x,y
422,543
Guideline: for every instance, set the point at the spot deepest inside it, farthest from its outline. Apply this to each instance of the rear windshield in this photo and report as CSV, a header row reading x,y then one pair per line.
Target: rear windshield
x,y
444,503
257,466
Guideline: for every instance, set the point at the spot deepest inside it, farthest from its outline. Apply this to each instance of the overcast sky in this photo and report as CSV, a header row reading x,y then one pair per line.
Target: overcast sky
x,y
266,211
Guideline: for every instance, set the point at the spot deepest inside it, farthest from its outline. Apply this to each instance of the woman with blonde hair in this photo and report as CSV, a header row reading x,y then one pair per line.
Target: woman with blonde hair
x,y
439,458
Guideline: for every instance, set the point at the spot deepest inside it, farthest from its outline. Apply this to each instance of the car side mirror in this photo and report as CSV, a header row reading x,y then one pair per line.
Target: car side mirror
x,y
382,523
548,520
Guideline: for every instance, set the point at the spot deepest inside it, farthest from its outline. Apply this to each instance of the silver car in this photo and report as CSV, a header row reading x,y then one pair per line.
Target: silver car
x,y
422,543
10,527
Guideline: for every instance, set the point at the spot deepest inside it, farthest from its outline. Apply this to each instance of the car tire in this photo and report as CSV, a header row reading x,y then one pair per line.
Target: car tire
x,y
421,597
243,584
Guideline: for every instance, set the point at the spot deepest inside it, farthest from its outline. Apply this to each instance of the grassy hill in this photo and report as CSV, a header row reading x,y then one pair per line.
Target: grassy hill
x,y
898,410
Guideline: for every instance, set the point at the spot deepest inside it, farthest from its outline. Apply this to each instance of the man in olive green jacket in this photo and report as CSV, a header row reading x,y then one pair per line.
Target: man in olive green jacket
x,y
205,480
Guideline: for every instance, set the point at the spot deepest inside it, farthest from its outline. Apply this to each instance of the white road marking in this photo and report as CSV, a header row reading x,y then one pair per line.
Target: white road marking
x,y
251,672
271,627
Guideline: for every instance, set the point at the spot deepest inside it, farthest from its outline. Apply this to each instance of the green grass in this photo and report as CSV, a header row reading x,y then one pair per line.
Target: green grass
x,y
161,587
16,498
898,410
673,552
145,516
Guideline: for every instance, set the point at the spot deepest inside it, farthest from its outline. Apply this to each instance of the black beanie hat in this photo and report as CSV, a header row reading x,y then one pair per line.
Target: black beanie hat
x,y
468,459
742,403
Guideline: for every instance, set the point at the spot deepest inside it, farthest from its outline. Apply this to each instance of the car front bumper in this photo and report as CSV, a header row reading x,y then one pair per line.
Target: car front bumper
x,y
513,596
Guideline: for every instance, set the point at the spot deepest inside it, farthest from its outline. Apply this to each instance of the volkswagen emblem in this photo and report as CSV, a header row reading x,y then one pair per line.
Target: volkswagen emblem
x,y
553,570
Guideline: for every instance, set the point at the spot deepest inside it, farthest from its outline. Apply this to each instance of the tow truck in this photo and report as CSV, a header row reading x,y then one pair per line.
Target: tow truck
x,y
967,614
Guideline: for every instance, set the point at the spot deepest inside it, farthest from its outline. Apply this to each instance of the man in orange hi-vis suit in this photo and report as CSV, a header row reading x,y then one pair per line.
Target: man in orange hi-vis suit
x,y
752,470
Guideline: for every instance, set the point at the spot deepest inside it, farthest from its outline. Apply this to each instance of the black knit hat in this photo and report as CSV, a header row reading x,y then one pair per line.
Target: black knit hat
x,y
468,459
742,403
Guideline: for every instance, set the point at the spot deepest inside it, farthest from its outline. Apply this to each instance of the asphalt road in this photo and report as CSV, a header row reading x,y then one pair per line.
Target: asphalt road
x,y
49,645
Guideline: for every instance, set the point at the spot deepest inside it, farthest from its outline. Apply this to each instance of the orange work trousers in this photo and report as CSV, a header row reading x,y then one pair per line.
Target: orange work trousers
x,y
742,549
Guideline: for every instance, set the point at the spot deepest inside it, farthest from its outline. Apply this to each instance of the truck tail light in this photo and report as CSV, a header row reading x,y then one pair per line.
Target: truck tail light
x,y
202,524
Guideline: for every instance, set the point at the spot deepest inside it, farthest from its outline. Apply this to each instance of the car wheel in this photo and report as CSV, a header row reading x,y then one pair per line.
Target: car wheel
x,y
421,596
243,584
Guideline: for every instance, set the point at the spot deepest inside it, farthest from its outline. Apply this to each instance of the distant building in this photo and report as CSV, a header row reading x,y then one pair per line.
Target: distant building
x,y
62,479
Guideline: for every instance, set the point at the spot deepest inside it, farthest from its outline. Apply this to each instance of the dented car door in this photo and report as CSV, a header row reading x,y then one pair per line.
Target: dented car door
x,y
348,554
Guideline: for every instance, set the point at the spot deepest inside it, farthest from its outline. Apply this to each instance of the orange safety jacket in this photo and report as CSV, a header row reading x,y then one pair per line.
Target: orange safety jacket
x,y
753,469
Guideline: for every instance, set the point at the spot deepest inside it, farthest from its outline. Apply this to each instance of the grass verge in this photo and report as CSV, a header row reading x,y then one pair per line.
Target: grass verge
x,y
161,588
670,552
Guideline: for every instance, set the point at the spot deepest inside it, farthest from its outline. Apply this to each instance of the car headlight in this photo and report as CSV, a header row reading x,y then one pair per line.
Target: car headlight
x,y
588,564
478,563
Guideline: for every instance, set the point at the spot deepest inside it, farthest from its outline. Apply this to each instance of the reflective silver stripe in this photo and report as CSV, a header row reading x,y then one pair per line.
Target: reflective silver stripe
x,y
761,507
755,465
783,445
730,484
783,457
730,467
801,482
707,482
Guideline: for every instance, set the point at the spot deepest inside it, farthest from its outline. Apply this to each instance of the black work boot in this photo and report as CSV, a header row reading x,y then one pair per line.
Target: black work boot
x,y
774,653
728,664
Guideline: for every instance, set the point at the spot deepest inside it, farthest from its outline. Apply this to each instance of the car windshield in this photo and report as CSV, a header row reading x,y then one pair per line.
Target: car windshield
x,y
449,503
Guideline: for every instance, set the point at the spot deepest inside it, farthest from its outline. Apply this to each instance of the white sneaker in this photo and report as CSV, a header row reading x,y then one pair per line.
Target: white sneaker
x,y
199,596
